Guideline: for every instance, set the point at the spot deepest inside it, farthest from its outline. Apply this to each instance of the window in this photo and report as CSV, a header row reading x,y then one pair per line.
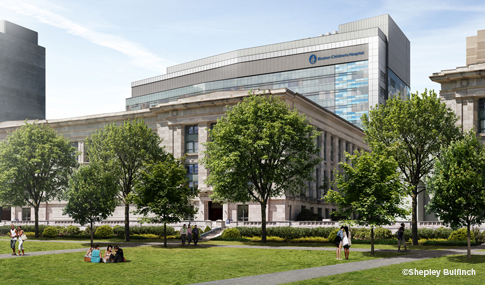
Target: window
x,y
327,214
324,146
481,115
339,150
331,148
289,217
319,142
193,175
191,139
242,212
76,146
331,178
303,208
317,183
26,214
319,212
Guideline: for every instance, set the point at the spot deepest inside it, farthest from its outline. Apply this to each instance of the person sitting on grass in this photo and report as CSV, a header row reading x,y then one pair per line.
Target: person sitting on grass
x,y
95,256
89,253
118,257
107,253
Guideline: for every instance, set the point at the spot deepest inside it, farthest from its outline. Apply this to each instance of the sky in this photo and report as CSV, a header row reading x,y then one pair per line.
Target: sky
x,y
95,49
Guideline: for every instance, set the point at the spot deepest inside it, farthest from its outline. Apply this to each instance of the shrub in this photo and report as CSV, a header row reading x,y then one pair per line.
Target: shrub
x,y
442,233
119,230
479,236
376,241
207,228
61,230
426,233
307,215
30,234
333,235
382,233
268,239
231,233
310,239
72,230
360,233
50,232
104,231
231,239
461,234
87,231
408,234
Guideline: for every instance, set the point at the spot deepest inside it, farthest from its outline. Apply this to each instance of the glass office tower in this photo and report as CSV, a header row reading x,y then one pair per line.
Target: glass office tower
x,y
345,72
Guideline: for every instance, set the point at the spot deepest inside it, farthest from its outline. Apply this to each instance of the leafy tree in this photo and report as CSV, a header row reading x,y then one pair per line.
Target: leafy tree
x,y
370,188
122,150
91,195
261,149
458,184
35,164
412,131
163,190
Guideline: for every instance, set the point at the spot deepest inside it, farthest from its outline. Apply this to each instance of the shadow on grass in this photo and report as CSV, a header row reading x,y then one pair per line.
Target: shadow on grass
x,y
462,258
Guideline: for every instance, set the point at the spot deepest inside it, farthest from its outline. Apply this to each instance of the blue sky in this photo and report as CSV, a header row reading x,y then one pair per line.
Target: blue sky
x,y
95,49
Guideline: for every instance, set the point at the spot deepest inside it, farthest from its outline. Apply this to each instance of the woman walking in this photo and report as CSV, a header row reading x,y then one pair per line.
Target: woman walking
x,y
347,242
20,233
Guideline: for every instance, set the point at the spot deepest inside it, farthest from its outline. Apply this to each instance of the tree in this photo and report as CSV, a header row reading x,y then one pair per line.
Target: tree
x,y
163,190
370,189
122,150
35,164
458,184
91,195
261,149
412,131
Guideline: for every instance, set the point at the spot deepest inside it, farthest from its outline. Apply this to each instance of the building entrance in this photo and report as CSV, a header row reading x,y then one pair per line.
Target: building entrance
x,y
215,211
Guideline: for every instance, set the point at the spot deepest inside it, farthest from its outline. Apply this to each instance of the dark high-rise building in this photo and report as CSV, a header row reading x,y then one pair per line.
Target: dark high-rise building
x,y
22,74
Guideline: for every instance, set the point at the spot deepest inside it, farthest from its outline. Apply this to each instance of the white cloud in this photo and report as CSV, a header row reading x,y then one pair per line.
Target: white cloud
x,y
139,55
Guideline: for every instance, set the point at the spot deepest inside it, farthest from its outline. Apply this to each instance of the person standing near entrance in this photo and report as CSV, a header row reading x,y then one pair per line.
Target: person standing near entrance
x,y
183,234
13,238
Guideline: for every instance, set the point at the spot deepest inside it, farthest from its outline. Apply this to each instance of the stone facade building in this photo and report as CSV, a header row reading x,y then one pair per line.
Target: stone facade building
x,y
463,88
183,124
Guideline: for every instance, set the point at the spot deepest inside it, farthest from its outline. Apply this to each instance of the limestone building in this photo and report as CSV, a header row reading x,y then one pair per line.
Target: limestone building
x,y
183,124
463,88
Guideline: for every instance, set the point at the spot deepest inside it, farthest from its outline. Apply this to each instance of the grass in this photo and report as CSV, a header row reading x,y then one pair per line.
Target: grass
x,y
366,246
31,246
174,265
393,274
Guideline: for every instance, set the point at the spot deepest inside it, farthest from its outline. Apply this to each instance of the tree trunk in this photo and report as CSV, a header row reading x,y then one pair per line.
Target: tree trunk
x,y
36,213
92,233
263,222
469,248
414,222
372,241
127,222
165,234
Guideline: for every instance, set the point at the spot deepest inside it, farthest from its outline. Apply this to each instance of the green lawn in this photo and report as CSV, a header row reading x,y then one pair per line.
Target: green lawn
x,y
367,246
158,265
393,274
31,246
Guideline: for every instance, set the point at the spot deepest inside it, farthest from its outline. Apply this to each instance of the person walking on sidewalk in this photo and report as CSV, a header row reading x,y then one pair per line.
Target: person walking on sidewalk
x,y
20,232
400,238
183,234
13,238
195,234
189,234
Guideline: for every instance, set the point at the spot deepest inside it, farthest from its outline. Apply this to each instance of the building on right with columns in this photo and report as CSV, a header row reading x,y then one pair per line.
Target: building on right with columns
x,y
463,88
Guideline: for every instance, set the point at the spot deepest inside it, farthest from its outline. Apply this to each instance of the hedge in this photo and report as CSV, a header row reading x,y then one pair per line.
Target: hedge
x,y
231,233
286,233
461,234
376,241
155,230
450,242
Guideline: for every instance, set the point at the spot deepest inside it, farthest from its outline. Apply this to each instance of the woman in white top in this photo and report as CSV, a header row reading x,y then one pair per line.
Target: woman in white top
x,y
20,232
347,242
13,238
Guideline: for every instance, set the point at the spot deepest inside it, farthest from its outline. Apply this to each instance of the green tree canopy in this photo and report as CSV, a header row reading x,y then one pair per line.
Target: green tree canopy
x,y
91,195
260,149
412,131
457,186
370,188
35,164
162,194
122,150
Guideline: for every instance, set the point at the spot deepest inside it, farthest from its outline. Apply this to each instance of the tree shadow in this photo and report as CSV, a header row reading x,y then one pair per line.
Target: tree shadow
x,y
462,258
